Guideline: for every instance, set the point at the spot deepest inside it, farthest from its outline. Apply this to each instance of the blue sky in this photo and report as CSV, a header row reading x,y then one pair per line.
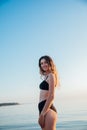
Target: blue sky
x,y
32,28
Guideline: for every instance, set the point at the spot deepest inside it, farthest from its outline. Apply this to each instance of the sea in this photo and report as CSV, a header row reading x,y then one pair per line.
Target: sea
x,y
71,116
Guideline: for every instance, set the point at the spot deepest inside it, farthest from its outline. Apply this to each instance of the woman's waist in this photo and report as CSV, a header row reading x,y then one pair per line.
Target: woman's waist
x,y
43,95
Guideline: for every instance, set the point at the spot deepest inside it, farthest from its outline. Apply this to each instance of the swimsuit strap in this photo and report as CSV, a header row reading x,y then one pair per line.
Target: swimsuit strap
x,y
46,77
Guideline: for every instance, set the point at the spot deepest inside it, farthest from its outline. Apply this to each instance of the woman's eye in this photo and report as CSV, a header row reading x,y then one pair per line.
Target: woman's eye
x,y
41,63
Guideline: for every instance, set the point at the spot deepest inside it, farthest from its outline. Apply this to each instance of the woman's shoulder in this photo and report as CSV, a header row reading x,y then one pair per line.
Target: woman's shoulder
x,y
51,76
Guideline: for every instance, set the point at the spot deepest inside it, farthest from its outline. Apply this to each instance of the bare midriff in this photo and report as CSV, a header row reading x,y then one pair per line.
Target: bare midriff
x,y
43,95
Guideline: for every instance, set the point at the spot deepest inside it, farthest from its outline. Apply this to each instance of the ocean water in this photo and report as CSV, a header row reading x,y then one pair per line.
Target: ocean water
x,y
25,116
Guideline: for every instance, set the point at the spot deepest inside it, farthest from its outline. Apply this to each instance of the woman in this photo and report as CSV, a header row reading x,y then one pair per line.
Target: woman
x,y
47,112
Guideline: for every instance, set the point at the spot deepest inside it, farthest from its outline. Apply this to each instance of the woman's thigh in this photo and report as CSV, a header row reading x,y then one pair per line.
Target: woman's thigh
x,y
50,120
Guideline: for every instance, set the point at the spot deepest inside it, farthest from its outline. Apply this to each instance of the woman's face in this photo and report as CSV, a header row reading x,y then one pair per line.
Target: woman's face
x,y
44,65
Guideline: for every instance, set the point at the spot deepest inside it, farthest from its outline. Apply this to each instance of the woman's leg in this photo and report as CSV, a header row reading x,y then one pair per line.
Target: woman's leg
x,y
50,120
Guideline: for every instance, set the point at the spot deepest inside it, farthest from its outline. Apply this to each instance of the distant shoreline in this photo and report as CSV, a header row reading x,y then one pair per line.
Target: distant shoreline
x,y
8,104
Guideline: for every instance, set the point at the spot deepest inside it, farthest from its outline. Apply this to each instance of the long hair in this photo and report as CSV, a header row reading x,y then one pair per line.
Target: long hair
x,y
52,67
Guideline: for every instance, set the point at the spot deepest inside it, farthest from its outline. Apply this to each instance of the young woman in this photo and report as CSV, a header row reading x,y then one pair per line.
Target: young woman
x,y
47,112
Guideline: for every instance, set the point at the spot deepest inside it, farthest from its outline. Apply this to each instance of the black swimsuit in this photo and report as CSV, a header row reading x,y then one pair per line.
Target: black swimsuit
x,y
44,86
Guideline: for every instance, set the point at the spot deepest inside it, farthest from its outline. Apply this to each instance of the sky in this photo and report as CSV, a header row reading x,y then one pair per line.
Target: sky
x,y
30,29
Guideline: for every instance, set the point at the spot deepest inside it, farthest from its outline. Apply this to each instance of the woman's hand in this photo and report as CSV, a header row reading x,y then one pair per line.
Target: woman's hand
x,y
41,120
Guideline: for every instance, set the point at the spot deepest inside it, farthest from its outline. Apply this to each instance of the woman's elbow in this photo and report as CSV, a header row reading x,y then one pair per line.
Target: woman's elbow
x,y
52,97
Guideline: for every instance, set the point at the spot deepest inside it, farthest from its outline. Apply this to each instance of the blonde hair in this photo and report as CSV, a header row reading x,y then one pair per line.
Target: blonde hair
x,y
52,68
